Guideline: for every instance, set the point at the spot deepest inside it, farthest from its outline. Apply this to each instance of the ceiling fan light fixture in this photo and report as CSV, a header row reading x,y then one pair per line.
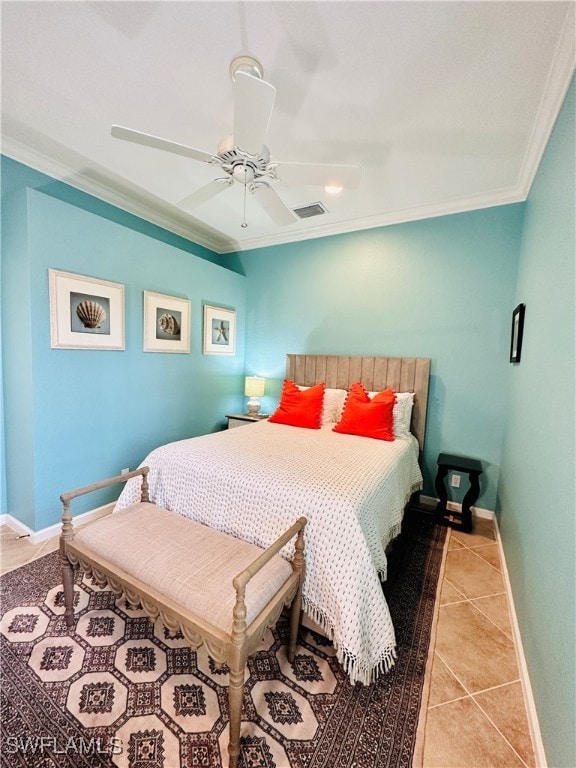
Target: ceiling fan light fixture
x,y
244,173
247,64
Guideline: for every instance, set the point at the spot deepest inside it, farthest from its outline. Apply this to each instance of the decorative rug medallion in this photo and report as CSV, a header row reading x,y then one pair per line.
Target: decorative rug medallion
x,y
123,691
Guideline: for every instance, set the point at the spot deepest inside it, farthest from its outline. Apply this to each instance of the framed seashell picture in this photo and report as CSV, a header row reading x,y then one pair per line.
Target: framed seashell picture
x,y
166,323
219,331
85,312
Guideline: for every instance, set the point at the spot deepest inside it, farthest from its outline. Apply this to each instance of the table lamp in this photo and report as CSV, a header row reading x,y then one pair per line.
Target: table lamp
x,y
254,389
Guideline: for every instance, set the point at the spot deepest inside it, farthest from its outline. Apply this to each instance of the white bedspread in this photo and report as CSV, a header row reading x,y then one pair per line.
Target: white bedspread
x,y
255,481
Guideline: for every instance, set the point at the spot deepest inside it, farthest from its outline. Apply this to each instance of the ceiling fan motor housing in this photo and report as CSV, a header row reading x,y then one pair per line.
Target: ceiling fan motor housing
x,y
243,167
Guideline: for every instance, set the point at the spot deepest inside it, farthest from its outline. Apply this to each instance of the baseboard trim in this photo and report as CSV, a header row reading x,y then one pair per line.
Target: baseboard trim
x,y
533,724
486,514
36,537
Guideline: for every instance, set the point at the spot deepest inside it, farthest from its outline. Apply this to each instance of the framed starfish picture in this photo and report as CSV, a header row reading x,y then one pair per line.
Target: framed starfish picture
x,y
219,331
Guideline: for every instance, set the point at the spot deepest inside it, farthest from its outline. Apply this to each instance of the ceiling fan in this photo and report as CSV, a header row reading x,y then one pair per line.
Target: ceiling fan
x,y
243,157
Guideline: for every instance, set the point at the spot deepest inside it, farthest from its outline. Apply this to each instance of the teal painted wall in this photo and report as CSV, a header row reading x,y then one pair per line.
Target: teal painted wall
x,y
17,356
441,288
537,486
75,416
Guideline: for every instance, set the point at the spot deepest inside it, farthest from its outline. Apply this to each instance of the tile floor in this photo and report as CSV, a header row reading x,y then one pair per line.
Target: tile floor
x,y
476,713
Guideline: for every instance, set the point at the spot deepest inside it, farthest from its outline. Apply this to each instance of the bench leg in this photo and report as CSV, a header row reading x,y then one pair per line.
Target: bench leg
x,y
298,565
235,696
68,585
295,612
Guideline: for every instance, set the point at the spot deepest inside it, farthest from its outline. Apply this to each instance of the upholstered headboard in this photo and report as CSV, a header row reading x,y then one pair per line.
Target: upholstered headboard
x,y
403,374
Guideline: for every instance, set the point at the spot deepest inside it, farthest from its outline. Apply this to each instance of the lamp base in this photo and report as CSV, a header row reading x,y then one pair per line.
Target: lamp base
x,y
253,406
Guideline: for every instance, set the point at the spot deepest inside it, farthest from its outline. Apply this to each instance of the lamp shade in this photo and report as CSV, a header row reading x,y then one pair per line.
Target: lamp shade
x,y
254,386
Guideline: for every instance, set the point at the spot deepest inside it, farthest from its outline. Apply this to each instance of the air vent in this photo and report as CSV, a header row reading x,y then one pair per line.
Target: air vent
x,y
307,211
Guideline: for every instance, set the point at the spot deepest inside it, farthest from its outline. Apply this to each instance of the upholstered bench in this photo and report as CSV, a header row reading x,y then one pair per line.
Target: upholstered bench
x,y
214,588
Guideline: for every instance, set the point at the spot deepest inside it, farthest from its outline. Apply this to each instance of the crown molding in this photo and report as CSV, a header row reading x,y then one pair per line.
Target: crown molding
x,y
499,197
557,84
220,244
133,203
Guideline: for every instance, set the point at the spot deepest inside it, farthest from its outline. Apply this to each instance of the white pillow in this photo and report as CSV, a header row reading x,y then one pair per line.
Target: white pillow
x,y
333,404
402,413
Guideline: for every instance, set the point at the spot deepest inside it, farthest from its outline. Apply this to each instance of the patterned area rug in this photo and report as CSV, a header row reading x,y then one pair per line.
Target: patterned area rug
x,y
123,691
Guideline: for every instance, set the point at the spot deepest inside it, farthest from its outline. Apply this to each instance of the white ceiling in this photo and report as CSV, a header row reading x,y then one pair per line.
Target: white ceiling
x,y
447,106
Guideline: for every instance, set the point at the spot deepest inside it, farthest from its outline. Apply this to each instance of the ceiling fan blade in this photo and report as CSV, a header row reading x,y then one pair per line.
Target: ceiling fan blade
x,y
137,137
347,176
204,194
253,104
273,205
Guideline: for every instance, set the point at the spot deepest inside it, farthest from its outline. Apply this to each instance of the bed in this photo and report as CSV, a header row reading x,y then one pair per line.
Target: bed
x,y
250,482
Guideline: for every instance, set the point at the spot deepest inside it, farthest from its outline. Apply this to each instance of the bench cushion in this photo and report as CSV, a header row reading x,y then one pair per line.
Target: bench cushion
x,y
186,561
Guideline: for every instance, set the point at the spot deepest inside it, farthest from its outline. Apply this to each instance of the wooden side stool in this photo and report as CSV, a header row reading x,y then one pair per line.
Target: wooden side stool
x,y
473,468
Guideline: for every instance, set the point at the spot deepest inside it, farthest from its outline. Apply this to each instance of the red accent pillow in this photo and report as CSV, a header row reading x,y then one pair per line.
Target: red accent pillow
x,y
300,407
368,418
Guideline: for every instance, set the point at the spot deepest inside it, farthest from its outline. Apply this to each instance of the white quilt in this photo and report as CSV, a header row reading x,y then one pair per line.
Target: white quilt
x,y
256,480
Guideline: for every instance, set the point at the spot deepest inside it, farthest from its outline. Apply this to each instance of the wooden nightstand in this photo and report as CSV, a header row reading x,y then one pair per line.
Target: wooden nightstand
x,y
241,419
